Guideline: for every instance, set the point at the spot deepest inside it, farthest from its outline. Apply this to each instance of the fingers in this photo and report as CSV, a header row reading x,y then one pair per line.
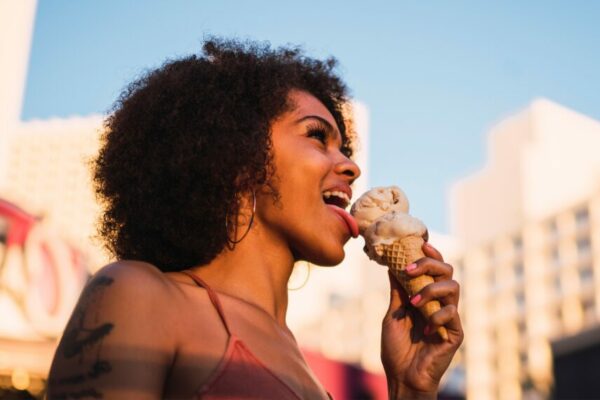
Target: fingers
x,y
446,292
435,268
444,289
448,317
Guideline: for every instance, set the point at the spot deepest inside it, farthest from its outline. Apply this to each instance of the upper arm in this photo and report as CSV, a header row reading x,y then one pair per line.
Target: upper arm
x,y
117,343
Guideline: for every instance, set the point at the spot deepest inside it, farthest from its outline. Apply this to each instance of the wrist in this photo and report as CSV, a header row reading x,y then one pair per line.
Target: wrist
x,y
399,391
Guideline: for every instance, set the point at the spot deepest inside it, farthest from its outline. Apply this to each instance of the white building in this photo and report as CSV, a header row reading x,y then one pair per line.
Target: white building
x,y
529,222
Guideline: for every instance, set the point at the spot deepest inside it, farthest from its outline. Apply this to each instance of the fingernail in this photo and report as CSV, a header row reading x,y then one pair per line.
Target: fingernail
x,y
427,330
415,299
410,267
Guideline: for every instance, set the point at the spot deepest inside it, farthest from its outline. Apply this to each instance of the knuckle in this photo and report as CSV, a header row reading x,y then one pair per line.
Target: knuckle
x,y
426,292
421,261
451,309
439,318
455,286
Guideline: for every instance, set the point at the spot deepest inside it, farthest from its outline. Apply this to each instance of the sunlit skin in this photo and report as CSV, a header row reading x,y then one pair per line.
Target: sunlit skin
x,y
413,355
159,347
298,225
308,162
302,227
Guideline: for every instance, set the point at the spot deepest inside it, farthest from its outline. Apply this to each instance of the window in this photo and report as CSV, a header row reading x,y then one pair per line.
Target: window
x,y
588,304
555,257
491,253
557,284
588,309
520,299
522,327
582,217
518,244
553,229
584,246
519,272
523,358
336,300
586,275
492,281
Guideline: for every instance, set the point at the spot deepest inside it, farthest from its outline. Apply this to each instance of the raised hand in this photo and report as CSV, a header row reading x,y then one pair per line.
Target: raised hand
x,y
414,356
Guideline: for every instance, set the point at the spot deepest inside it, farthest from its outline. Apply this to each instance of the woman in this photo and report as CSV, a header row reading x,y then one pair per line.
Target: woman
x,y
212,173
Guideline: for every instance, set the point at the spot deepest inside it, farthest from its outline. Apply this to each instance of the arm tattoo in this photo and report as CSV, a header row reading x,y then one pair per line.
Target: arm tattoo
x,y
78,339
84,337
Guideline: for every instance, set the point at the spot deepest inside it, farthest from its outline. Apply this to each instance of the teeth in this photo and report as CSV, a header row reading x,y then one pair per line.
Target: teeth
x,y
335,193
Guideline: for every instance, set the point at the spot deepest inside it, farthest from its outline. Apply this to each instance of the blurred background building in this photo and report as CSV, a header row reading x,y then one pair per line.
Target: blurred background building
x,y
529,224
46,211
525,243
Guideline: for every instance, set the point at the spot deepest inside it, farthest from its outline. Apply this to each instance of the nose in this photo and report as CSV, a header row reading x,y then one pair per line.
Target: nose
x,y
348,168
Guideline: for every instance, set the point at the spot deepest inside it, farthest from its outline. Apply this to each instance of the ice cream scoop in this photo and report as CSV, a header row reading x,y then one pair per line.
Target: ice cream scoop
x,y
394,238
377,202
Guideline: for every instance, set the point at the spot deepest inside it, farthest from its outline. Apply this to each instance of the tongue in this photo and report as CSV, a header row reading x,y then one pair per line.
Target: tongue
x,y
349,219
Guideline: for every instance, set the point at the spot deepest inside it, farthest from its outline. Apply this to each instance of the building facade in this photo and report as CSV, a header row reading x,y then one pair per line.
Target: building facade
x,y
529,223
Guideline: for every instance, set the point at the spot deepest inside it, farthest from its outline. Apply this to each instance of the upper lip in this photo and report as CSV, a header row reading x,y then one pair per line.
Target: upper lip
x,y
341,188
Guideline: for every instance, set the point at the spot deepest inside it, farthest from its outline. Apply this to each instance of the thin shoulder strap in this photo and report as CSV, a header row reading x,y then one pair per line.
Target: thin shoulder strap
x,y
214,298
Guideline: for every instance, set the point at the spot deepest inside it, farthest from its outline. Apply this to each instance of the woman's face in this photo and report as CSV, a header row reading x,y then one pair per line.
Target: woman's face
x,y
313,179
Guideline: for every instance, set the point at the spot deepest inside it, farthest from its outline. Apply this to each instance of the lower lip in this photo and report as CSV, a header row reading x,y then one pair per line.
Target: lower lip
x,y
346,218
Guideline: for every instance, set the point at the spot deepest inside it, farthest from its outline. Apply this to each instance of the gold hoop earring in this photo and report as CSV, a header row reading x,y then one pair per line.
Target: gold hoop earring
x,y
308,268
231,243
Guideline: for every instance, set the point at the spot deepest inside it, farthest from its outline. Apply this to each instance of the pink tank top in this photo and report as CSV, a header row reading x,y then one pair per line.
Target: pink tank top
x,y
240,374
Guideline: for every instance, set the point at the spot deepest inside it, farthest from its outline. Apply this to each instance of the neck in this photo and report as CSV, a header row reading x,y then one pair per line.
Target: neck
x,y
257,271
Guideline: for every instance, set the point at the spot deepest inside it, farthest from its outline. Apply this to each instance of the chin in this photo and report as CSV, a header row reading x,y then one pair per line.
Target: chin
x,y
327,259
326,253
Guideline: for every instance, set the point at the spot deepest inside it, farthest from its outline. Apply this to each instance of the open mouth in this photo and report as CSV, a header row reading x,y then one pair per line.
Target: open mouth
x,y
336,198
338,201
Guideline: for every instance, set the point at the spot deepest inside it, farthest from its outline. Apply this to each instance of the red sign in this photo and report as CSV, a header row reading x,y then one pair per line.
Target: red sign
x,y
41,276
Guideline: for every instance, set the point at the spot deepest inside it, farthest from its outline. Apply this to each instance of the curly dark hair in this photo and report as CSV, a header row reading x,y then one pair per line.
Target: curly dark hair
x,y
184,141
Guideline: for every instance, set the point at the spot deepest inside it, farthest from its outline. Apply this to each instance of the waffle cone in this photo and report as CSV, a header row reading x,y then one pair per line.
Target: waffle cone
x,y
402,253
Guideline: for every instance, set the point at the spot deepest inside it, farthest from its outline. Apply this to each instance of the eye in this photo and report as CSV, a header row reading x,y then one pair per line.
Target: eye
x,y
318,134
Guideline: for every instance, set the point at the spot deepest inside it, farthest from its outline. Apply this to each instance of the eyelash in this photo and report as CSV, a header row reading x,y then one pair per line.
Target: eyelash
x,y
317,132
320,132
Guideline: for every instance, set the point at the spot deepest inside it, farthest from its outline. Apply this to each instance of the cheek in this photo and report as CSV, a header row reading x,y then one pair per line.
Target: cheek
x,y
304,164
298,180
303,177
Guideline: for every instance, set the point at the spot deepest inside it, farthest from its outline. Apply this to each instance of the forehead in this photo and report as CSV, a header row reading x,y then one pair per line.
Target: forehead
x,y
305,104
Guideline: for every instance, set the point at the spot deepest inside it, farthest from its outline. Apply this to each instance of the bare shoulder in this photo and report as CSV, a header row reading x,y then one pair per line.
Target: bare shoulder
x,y
126,287
118,341
132,272
144,281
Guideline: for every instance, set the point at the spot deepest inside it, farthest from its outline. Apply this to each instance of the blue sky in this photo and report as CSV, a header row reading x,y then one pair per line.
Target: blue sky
x,y
436,75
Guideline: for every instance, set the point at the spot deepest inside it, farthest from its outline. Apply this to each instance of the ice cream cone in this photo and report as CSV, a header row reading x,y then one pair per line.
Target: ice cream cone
x,y
397,256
